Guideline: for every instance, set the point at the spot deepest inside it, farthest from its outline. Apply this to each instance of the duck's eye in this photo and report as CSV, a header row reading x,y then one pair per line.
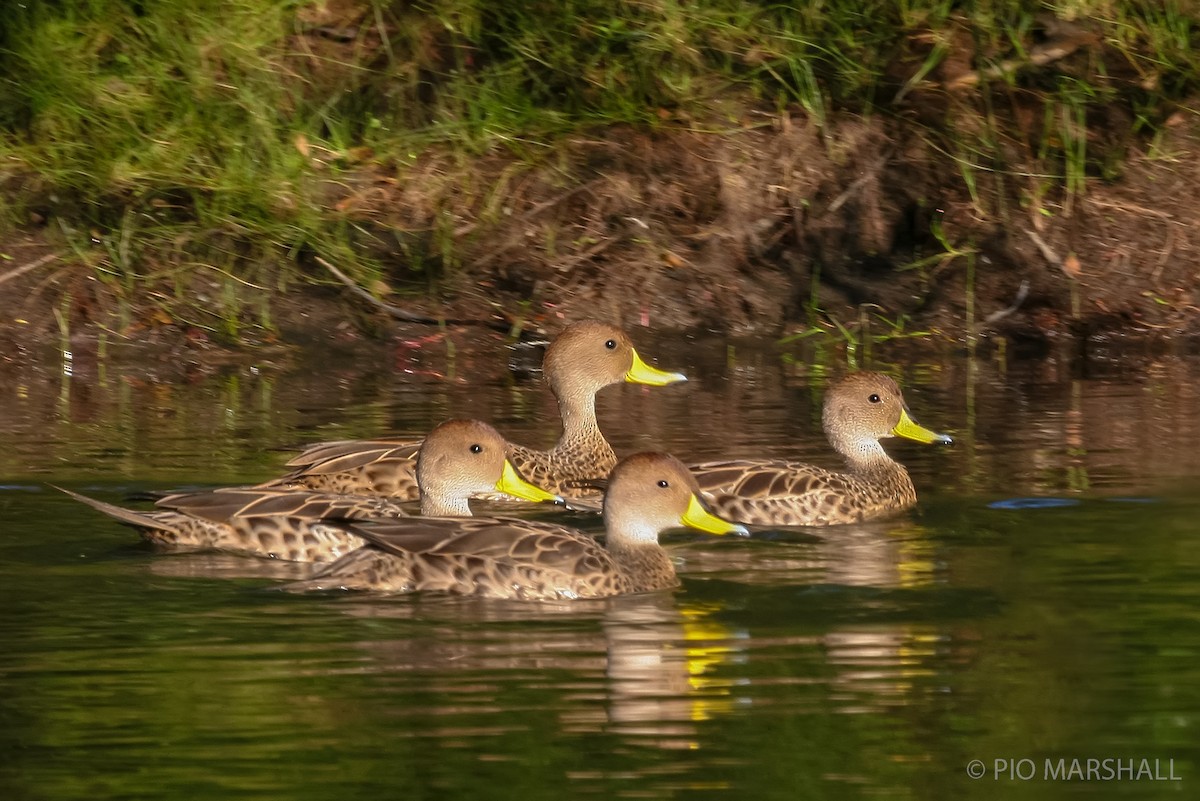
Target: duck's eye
x,y
476,448
874,398
611,344
662,482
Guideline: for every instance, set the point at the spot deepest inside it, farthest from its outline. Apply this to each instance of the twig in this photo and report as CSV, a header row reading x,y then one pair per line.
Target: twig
x,y
1133,207
857,184
591,252
24,268
463,230
1047,253
841,199
1039,57
1166,255
1068,266
394,311
587,254
1022,293
404,314
538,209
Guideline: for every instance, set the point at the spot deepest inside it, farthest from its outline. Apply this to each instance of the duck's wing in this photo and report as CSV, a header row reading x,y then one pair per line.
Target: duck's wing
x,y
349,454
384,467
765,478
779,492
487,537
225,504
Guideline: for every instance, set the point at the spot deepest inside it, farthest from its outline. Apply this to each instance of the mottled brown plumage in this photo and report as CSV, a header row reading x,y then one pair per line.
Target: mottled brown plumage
x,y
527,560
860,409
384,467
584,359
458,459
273,523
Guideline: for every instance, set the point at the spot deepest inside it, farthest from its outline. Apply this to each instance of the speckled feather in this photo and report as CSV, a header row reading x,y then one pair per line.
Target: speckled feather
x,y
278,524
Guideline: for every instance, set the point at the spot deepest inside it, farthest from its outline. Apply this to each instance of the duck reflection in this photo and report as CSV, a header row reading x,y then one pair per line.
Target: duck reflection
x,y
886,554
661,670
867,582
192,565
644,667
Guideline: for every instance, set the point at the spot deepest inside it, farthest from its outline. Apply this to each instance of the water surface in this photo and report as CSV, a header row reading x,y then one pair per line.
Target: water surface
x,y
1040,603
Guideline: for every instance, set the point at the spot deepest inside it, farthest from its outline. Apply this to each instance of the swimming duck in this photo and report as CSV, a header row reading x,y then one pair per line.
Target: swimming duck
x,y
459,459
518,559
584,359
860,409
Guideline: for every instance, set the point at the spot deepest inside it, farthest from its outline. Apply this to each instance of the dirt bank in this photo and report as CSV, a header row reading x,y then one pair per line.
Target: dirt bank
x,y
767,226
772,228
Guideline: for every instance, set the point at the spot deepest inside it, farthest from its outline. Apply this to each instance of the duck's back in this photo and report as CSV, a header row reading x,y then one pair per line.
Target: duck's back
x,y
483,557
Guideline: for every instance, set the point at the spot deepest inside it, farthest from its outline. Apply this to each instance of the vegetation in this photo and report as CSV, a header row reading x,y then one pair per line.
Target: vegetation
x,y
162,139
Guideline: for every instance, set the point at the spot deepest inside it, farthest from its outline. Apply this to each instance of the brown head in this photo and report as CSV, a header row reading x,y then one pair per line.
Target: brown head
x,y
651,492
590,355
462,458
862,408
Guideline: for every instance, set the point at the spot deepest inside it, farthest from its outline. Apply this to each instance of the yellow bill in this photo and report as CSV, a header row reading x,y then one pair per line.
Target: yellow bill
x,y
642,373
700,518
910,429
511,483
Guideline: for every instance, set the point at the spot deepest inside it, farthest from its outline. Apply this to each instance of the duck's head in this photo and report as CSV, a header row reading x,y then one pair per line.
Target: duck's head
x,y
651,492
462,458
590,355
863,408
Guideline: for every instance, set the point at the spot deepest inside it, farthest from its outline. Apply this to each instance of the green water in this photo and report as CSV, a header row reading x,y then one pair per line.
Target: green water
x,y
1041,603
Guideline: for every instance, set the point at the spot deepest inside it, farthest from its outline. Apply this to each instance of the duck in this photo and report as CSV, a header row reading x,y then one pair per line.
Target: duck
x,y
860,409
586,357
515,559
459,459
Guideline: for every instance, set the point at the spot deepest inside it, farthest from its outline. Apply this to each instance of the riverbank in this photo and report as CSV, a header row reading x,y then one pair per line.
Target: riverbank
x,y
1004,175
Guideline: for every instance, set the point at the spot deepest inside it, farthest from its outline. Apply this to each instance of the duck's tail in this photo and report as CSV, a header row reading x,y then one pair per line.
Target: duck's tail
x,y
129,517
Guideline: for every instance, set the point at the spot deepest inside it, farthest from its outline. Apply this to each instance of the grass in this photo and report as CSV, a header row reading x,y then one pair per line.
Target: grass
x,y
169,140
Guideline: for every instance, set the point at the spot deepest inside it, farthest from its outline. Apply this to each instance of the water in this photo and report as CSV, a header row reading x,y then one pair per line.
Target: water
x,y
1039,604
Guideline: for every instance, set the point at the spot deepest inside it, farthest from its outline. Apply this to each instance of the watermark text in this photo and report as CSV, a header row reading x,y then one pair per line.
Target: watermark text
x,y
1078,769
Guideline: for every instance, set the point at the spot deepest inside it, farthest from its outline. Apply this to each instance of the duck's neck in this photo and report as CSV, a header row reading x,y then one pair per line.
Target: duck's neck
x,y
435,504
877,477
867,457
578,411
645,565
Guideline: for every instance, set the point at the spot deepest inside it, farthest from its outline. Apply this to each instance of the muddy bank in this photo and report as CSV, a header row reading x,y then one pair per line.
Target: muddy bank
x,y
775,227
767,227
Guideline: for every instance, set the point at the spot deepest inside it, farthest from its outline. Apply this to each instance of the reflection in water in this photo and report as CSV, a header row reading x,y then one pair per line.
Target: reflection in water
x,y
884,553
641,666
227,566
661,661
1041,429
